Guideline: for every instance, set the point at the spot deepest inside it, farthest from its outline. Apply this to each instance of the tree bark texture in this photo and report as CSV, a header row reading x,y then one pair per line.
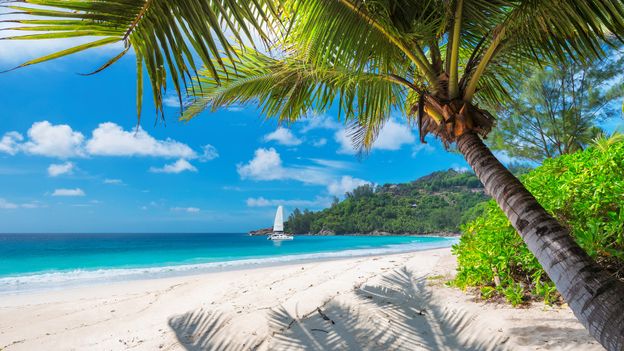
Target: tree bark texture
x,y
595,297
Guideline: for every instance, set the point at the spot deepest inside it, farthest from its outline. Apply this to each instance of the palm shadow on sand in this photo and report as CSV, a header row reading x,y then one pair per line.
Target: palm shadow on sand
x,y
206,330
396,314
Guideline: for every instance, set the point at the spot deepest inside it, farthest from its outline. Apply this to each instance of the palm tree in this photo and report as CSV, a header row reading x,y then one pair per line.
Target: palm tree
x,y
433,61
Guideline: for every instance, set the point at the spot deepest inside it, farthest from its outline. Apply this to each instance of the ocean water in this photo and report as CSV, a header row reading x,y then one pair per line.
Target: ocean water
x,y
42,261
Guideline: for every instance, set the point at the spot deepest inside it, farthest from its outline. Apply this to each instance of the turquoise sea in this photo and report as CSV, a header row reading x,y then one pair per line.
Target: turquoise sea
x,y
40,261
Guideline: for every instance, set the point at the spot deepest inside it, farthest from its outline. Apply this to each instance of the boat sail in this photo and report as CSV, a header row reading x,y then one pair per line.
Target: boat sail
x,y
278,226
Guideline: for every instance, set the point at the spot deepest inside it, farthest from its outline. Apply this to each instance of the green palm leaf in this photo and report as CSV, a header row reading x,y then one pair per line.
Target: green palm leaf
x,y
167,36
289,88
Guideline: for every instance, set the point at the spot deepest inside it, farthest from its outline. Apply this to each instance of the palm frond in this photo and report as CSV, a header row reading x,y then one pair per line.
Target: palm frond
x,y
549,31
388,36
288,89
167,36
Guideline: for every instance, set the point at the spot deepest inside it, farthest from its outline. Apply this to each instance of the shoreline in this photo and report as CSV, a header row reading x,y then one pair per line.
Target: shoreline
x,y
33,283
394,301
266,232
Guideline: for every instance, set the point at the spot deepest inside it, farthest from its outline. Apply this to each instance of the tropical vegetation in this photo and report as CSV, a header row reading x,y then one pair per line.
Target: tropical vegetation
x,y
559,109
585,191
437,203
436,62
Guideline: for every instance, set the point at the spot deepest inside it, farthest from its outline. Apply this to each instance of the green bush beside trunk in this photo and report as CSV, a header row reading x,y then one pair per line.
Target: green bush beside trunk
x,y
585,191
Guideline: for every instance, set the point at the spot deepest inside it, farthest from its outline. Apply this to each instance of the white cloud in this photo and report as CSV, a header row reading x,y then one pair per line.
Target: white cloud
x,y
460,169
332,163
262,202
283,136
6,205
320,122
186,209
55,169
9,143
109,139
171,101
391,137
320,142
267,165
235,108
178,166
50,140
345,184
346,143
68,192
421,147
15,52
504,157
113,181
209,153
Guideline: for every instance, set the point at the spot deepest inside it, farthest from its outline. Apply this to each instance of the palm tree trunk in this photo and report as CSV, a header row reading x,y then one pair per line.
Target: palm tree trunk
x,y
595,297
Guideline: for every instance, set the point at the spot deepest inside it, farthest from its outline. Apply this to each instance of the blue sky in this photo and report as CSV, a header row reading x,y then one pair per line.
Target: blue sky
x,y
70,160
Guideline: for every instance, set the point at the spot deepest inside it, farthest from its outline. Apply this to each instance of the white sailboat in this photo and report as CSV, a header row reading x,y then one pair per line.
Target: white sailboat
x,y
278,227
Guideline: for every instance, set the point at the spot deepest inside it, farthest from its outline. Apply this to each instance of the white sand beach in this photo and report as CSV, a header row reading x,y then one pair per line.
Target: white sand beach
x,y
391,302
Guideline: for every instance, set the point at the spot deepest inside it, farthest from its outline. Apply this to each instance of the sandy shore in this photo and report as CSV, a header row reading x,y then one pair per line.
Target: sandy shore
x,y
393,302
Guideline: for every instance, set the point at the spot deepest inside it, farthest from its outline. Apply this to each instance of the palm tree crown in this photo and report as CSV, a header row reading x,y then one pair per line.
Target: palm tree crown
x,y
435,61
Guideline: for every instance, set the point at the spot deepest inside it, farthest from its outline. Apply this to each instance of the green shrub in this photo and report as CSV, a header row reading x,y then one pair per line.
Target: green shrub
x,y
585,191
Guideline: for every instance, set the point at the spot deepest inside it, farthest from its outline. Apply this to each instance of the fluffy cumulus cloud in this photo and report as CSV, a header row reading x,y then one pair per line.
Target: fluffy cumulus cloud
x,y
50,140
391,137
10,142
345,184
57,169
267,165
69,192
109,139
178,166
283,136
262,202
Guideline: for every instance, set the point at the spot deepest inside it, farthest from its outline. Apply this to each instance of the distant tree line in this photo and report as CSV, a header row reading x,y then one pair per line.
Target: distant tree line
x,y
436,203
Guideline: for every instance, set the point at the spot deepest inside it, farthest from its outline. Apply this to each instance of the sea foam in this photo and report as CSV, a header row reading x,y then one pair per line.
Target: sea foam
x,y
60,279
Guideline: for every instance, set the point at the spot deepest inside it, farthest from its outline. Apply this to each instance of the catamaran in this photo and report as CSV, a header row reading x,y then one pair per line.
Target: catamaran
x,y
278,227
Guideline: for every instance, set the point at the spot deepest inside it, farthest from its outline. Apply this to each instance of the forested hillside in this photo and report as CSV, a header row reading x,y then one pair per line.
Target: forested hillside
x,y
436,203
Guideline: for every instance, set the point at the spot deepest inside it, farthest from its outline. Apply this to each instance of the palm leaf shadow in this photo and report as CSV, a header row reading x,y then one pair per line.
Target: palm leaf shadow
x,y
204,330
397,314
